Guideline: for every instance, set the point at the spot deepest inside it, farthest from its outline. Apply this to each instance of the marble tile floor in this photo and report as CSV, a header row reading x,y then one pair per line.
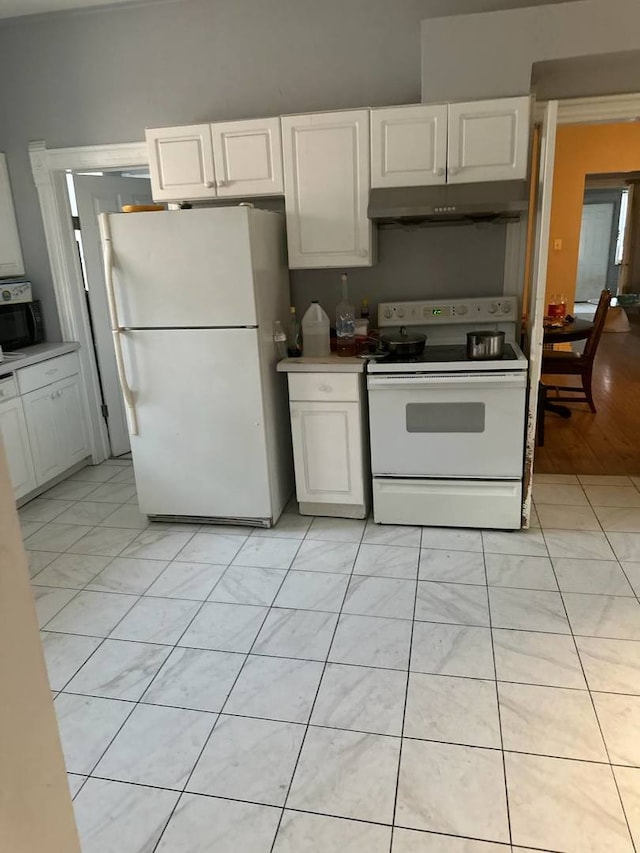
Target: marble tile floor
x,y
334,686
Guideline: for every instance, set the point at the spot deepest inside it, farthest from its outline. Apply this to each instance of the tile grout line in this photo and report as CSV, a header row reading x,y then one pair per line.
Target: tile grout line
x,y
220,712
320,680
406,697
595,712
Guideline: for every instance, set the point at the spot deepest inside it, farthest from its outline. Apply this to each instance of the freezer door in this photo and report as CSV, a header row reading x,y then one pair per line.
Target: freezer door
x,y
184,268
201,447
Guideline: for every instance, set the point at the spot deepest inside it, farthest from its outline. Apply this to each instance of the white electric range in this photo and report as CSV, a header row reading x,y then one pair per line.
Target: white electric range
x,y
447,433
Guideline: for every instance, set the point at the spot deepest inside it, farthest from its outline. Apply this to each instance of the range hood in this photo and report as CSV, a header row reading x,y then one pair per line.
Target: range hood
x,y
495,201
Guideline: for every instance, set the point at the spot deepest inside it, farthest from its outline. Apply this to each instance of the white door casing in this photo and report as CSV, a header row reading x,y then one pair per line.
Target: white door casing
x,y
537,294
95,195
595,250
327,451
409,146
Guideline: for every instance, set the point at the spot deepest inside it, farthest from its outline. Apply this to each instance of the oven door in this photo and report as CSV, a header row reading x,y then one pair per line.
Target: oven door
x,y
447,425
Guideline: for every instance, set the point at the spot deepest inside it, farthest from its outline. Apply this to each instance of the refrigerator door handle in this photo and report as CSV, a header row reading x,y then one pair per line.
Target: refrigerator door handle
x,y
116,329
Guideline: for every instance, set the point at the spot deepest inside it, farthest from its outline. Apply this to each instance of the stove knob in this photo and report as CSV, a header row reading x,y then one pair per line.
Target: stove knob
x,y
461,310
492,308
388,313
400,312
506,308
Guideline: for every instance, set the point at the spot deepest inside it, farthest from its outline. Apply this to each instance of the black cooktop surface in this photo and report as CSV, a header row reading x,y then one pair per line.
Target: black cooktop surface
x,y
449,352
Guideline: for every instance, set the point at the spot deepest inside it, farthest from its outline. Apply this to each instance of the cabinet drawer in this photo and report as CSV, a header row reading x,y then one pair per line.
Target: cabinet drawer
x,y
46,372
342,387
8,388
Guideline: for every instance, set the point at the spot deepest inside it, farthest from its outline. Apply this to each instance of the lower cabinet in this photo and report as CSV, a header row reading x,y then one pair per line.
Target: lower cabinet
x,y
13,430
56,427
329,444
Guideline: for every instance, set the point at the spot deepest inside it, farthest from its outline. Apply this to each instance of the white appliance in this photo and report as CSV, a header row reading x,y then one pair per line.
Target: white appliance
x,y
447,433
193,297
15,291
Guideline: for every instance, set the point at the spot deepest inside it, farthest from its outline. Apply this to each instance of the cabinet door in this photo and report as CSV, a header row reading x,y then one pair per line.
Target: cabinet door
x,y
248,157
13,430
10,252
181,162
70,422
43,429
488,140
327,452
409,146
326,183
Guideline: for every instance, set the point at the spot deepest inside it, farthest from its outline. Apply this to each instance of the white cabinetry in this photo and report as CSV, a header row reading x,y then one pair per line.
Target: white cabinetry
x,y
56,427
455,143
409,146
326,180
13,431
226,159
488,140
11,262
329,443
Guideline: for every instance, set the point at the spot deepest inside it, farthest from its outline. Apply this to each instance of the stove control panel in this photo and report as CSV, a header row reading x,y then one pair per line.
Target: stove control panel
x,y
446,312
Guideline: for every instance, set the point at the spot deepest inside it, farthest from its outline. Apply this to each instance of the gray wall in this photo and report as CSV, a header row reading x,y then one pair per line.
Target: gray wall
x,y
101,76
475,56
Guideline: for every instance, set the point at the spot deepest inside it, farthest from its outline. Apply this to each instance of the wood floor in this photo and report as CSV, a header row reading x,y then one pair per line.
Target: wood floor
x,y
609,441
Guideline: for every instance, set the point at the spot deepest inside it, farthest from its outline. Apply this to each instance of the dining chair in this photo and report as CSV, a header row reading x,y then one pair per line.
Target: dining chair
x,y
571,363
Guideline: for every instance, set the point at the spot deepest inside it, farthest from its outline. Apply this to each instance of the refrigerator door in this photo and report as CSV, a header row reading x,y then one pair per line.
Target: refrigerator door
x,y
183,268
201,446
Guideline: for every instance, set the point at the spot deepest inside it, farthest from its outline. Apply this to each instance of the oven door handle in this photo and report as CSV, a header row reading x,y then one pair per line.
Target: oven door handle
x,y
452,380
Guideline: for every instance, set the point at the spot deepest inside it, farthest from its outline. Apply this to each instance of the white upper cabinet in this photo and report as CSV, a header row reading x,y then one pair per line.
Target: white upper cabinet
x,y
181,162
233,158
326,180
11,262
488,140
248,157
409,146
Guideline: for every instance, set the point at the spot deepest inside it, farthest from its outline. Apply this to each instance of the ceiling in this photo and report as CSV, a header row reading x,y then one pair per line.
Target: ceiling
x,y
17,8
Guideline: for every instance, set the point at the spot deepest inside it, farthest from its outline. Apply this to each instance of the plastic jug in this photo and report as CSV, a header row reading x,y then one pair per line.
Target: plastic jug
x,y
315,332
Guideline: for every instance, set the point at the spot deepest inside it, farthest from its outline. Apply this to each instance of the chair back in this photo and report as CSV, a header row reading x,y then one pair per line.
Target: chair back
x,y
598,325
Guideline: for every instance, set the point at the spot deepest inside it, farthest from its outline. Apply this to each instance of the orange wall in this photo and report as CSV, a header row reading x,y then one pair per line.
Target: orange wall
x,y
582,149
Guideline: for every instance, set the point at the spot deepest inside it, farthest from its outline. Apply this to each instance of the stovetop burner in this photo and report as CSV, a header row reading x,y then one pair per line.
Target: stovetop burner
x,y
444,353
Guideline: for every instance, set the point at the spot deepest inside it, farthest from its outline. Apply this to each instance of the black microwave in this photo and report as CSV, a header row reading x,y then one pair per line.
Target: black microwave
x,y
20,325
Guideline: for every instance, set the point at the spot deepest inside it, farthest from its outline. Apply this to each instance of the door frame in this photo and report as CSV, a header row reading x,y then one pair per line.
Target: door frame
x,y
49,167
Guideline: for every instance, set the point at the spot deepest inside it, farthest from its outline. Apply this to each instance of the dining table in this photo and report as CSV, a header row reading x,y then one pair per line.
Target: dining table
x,y
572,329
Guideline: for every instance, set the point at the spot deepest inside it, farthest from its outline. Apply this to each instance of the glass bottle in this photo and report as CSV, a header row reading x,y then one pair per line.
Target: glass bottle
x,y
345,323
280,339
294,335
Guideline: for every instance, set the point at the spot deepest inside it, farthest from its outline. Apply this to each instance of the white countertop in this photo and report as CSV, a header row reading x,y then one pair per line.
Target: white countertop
x,y
34,354
329,364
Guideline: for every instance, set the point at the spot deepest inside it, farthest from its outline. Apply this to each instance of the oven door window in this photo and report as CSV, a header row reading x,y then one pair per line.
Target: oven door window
x,y
445,417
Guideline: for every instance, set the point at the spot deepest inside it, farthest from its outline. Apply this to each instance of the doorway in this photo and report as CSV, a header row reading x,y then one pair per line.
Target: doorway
x,y
92,193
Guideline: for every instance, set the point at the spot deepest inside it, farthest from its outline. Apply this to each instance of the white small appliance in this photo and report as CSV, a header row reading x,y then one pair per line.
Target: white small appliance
x,y
193,297
447,432
13,292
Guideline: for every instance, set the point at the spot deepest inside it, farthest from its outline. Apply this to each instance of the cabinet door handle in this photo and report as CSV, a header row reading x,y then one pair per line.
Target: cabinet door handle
x,y
363,253
453,170
440,172
209,184
221,183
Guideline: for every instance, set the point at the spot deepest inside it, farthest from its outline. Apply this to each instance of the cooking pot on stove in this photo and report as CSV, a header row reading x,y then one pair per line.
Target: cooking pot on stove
x,y
485,345
403,344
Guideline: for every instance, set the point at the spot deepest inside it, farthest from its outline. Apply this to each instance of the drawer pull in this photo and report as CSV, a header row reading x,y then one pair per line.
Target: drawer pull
x,y
326,388
51,372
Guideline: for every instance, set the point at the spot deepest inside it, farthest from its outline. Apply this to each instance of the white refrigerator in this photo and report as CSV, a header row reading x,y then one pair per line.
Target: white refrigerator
x,y
193,297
